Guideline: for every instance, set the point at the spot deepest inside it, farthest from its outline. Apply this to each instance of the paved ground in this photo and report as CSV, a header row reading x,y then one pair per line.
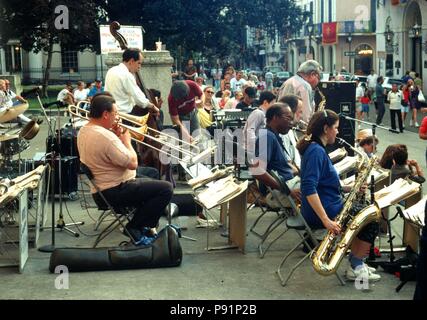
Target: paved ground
x,y
216,275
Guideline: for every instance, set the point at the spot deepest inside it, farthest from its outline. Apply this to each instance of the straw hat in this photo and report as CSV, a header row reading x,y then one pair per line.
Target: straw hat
x,y
363,134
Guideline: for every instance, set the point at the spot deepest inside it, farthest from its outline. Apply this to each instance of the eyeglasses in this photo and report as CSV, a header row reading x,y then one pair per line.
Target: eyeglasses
x,y
317,75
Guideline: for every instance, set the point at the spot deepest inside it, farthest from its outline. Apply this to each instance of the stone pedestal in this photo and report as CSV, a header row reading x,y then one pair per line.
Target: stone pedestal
x,y
155,71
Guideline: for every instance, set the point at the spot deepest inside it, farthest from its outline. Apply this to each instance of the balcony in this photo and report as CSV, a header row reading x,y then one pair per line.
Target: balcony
x,y
345,27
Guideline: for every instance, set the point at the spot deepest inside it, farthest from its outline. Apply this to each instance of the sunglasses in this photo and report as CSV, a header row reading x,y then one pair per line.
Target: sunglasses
x,y
211,92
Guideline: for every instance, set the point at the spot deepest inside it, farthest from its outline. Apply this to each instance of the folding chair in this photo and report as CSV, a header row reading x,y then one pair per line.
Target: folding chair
x,y
283,212
121,214
299,224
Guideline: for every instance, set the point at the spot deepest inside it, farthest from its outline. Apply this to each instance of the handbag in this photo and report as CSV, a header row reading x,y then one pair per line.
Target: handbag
x,y
421,97
404,103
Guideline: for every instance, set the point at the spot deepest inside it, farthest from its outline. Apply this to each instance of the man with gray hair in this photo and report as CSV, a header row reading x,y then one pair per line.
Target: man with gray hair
x,y
302,85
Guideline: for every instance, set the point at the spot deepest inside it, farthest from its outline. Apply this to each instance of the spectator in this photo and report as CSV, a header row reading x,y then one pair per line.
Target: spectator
x,y
97,88
380,93
395,97
249,96
66,95
190,72
405,102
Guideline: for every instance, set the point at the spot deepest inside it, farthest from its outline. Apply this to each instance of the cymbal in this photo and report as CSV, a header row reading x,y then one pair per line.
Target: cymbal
x,y
13,112
6,137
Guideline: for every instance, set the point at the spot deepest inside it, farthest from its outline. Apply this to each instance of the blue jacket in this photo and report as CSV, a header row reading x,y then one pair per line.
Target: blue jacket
x,y
318,175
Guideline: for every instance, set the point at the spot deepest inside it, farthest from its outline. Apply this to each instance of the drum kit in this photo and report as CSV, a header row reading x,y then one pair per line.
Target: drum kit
x,y
12,141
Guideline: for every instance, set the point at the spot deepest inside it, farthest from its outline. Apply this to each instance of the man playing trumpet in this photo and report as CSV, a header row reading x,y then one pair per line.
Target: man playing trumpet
x,y
106,149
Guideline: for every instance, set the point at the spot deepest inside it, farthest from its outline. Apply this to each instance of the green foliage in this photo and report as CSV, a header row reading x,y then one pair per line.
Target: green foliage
x,y
33,23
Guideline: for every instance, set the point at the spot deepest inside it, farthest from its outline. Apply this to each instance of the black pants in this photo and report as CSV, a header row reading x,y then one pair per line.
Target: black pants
x,y
381,111
393,114
150,199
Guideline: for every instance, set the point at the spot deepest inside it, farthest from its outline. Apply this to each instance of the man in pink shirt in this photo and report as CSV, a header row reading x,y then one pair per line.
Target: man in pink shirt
x,y
107,151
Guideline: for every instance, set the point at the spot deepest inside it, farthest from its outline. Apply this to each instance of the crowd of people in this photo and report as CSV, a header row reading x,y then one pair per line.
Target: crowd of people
x,y
403,99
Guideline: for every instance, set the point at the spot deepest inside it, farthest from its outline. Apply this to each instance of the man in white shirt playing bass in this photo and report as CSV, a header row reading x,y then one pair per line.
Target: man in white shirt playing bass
x,y
120,81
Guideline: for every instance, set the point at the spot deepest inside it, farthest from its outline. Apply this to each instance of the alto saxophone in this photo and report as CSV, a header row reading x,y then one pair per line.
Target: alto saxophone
x,y
322,103
327,257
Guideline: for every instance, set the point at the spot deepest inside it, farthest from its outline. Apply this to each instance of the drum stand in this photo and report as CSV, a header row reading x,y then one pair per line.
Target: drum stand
x,y
60,224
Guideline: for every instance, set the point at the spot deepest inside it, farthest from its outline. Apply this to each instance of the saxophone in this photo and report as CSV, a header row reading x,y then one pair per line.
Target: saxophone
x,y
322,103
327,257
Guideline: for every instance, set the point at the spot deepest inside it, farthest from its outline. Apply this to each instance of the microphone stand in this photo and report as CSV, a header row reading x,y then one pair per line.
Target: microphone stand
x,y
60,223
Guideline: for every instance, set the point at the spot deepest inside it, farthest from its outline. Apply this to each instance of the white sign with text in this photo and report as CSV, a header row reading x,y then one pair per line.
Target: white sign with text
x,y
132,34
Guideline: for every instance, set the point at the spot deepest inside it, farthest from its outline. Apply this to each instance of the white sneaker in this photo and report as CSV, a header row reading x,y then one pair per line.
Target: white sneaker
x,y
411,123
361,272
370,269
417,125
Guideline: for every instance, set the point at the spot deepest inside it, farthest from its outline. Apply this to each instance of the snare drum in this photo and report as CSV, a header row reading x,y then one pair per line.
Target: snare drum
x,y
13,146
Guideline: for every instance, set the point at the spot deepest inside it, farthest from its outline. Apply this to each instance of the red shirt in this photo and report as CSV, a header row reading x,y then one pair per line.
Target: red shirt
x,y
423,128
187,104
365,100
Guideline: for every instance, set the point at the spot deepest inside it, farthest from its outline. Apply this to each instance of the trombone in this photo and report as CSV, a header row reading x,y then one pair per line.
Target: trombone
x,y
142,131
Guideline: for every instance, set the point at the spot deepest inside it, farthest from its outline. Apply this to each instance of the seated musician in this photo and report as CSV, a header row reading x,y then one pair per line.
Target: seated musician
x,y
291,138
271,155
106,149
321,191
367,142
256,120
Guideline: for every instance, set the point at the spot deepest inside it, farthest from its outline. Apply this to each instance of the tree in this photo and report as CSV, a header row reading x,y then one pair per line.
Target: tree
x,y
39,24
214,27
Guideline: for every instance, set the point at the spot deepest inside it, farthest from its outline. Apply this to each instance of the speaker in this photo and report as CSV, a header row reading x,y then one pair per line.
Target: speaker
x,y
69,175
68,145
341,98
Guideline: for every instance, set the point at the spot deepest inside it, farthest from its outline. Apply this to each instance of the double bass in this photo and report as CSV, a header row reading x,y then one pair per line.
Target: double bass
x,y
148,157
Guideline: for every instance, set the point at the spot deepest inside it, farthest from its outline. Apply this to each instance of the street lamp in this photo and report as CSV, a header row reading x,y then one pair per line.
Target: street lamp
x,y
416,29
349,40
310,32
388,34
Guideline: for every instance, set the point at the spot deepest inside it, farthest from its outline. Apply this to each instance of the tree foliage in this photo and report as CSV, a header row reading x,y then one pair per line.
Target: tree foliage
x,y
214,27
32,22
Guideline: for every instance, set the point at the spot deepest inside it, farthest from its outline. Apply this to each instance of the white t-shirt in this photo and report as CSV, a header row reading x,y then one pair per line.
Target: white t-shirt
x,y
395,98
80,95
359,93
62,95
236,85
372,81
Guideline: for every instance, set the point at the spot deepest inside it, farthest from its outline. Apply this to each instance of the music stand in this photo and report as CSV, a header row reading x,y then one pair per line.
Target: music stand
x,y
55,145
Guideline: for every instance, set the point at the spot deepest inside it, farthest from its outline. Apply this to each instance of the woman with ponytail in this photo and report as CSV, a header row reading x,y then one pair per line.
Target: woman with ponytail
x,y
321,190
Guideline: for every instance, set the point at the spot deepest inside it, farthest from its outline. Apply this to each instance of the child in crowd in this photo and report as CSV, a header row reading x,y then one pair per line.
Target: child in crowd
x,y
365,101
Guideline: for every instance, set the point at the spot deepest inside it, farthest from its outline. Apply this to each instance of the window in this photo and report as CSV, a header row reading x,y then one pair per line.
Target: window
x,y
69,61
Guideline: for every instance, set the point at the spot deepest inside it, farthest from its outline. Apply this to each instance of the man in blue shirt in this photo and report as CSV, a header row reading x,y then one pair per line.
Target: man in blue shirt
x,y
271,152
97,88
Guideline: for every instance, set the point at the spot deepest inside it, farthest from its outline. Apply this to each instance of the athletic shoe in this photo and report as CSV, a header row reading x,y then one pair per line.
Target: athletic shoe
x,y
417,125
361,272
411,123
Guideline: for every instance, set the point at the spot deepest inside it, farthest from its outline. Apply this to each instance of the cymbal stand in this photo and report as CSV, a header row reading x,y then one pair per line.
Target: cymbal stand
x,y
54,147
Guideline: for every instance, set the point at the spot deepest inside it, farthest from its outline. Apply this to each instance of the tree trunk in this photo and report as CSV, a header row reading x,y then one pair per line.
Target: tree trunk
x,y
46,74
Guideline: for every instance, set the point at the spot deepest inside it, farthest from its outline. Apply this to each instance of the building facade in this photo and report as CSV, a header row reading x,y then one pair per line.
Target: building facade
x,y
402,38
67,65
355,48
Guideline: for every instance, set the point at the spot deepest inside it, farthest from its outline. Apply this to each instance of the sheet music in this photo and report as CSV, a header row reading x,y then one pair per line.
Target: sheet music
x,y
400,190
416,213
221,191
345,165
337,154
378,173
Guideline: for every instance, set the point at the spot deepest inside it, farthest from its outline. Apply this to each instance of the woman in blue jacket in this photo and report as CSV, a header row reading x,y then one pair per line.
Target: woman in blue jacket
x,y
321,191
